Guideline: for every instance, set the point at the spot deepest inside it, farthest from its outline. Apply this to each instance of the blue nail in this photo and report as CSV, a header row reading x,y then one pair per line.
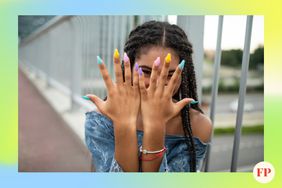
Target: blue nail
x,y
99,60
194,102
86,98
182,64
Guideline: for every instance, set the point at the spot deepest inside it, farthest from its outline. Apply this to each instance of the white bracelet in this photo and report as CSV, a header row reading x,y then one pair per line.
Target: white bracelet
x,y
144,151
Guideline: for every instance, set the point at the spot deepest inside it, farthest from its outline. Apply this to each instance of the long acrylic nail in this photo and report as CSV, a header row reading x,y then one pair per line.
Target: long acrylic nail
x,y
182,64
140,71
116,54
168,58
136,66
125,58
86,98
99,60
194,102
157,62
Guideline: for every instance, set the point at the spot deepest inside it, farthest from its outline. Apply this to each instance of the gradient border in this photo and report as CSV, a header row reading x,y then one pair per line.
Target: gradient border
x,y
9,11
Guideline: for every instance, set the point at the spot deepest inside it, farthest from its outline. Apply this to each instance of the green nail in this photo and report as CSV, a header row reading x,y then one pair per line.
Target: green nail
x,y
86,98
99,60
194,102
182,64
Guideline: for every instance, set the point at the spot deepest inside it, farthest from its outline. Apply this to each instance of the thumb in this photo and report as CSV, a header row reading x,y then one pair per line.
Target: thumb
x,y
97,101
182,103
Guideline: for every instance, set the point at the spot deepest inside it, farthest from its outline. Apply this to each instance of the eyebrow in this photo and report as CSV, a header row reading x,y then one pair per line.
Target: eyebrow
x,y
149,68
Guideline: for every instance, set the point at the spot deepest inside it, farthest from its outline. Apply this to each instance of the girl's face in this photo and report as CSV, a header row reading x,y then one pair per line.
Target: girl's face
x,y
149,55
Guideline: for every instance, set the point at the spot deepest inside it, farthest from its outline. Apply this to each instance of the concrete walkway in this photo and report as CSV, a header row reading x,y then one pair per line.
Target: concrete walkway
x,y
46,143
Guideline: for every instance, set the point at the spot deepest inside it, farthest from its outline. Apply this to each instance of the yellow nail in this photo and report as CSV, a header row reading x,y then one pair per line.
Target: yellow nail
x,y
168,58
116,54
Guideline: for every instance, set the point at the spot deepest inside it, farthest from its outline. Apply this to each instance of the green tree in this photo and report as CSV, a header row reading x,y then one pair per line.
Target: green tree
x,y
232,58
257,58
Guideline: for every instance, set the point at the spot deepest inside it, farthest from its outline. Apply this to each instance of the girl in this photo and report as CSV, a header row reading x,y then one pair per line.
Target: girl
x,y
150,120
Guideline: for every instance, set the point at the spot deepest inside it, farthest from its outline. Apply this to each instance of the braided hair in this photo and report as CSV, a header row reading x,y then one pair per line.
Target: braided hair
x,y
156,33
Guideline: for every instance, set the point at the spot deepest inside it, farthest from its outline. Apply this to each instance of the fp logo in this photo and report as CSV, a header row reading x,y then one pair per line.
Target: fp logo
x,y
263,172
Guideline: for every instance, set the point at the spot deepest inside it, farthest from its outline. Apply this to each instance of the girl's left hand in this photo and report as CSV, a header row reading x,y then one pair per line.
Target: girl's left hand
x,y
157,106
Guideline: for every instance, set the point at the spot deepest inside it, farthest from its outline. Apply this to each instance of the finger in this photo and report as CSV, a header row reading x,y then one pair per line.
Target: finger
x,y
154,74
127,71
142,86
164,73
175,78
97,101
180,104
117,67
135,76
105,74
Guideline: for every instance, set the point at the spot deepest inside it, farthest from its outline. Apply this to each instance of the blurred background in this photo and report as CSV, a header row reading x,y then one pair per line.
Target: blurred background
x,y
57,65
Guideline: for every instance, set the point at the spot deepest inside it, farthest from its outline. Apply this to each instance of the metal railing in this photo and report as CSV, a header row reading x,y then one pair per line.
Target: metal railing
x,y
242,90
64,52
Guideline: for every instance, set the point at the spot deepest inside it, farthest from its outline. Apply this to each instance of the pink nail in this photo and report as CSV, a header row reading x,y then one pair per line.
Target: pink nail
x,y
125,57
157,62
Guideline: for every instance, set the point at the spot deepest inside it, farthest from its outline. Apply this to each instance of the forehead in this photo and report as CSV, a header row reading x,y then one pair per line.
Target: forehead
x,y
150,54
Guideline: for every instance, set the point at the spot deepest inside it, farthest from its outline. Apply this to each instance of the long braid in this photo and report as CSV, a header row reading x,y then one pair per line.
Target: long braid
x,y
188,89
155,33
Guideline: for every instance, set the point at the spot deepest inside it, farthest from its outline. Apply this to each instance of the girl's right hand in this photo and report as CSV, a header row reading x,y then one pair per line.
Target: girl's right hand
x,y
123,99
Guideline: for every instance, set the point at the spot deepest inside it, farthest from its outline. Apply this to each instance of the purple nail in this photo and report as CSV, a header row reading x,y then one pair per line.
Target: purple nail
x,y
140,71
157,62
136,66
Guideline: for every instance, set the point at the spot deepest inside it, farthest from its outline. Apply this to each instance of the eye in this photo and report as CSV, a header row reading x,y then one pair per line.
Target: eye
x,y
147,72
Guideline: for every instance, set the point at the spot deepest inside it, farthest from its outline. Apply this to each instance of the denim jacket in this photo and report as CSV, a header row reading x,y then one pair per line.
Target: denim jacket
x,y
99,138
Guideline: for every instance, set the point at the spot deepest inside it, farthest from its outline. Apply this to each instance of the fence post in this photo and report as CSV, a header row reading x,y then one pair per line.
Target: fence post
x,y
75,76
242,92
215,85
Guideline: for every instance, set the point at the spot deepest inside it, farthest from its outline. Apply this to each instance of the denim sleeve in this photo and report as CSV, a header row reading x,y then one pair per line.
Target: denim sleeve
x,y
178,158
99,138
201,149
164,166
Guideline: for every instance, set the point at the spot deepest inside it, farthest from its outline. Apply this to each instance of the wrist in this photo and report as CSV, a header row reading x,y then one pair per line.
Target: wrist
x,y
154,138
154,127
126,123
125,126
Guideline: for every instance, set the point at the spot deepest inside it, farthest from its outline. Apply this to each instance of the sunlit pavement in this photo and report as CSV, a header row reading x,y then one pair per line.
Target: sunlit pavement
x,y
46,143
250,153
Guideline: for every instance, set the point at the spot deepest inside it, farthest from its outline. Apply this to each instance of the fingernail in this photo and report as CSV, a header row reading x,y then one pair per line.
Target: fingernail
x,y
99,60
140,71
125,58
168,58
182,64
157,62
136,66
86,98
116,54
194,102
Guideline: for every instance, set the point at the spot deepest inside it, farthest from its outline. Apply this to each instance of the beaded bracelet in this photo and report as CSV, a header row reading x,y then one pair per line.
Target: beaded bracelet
x,y
157,154
144,151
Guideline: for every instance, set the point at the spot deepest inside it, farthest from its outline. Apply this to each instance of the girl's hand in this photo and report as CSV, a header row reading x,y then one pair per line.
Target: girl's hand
x,y
123,99
157,106
122,106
